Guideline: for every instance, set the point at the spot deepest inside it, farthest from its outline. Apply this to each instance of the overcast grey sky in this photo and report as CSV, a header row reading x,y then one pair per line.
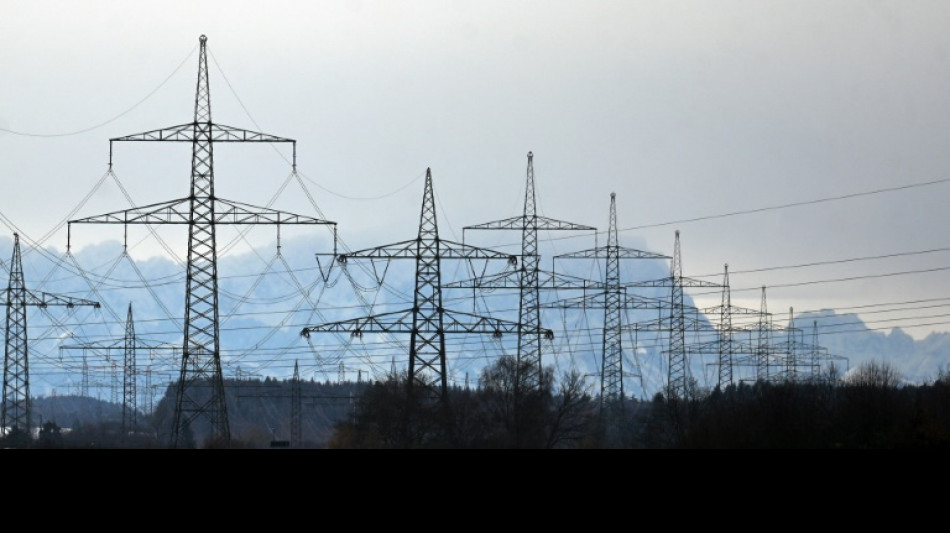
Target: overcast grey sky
x,y
683,108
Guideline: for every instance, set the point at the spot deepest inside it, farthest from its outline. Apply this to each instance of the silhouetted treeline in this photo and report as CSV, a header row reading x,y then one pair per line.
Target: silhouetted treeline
x,y
259,415
868,409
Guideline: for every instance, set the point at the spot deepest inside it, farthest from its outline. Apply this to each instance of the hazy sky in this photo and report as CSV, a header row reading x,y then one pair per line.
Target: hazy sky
x,y
684,109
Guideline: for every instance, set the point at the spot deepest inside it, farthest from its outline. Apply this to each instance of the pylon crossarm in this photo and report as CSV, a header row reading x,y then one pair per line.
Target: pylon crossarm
x,y
392,322
118,344
460,322
711,347
410,250
537,222
512,280
731,309
235,213
222,133
756,326
171,212
663,324
457,250
398,250
622,253
598,301
186,133
181,133
588,301
402,321
668,282
179,212
45,299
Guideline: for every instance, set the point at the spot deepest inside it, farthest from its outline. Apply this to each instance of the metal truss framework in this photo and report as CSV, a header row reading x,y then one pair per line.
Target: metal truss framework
x,y
296,433
200,388
613,298
427,321
726,346
529,279
16,411
128,345
678,368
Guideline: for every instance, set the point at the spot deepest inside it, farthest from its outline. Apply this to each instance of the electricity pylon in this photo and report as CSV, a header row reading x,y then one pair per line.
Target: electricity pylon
x,y
613,297
200,388
296,437
16,414
678,368
128,345
529,366
427,321
726,346
764,354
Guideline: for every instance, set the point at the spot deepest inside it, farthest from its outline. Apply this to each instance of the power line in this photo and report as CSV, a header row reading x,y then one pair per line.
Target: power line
x,y
113,119
830,262
762,209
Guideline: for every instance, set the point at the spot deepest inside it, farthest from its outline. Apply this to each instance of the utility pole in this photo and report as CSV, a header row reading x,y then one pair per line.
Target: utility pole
x,y
200,387
17,408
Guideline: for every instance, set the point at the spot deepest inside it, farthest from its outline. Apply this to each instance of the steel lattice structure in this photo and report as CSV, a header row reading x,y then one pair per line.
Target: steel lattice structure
x,y
726,346
529,310
612,296
427,321
296,438
678,368
128,345
16,411
200,388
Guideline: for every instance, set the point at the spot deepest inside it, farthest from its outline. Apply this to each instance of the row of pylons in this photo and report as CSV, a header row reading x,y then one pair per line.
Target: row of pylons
x,y
200,385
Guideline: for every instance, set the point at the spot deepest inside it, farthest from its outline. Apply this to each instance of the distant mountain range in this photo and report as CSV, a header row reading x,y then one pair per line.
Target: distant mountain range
x,y
846,335
263,314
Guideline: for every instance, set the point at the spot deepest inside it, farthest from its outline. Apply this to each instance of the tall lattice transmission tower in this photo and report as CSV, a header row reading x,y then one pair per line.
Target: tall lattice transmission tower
x,y
17,409
613,296
727,346
676,321
427,321
528,278
127,345
200,388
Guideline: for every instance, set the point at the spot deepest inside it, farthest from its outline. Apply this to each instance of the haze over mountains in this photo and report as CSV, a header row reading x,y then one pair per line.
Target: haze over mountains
x,y
266,299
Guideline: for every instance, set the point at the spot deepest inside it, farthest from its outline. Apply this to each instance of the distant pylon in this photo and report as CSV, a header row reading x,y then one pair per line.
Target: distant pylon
x,y
678,369
17,404
764,342
130,375
116,383
296,439
427,321
611,296
791,348
529,366
674,323
84,384
725,332
128,345
726,346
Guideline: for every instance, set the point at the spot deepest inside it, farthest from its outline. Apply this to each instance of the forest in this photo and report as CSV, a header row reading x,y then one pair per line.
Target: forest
x,y
869,408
